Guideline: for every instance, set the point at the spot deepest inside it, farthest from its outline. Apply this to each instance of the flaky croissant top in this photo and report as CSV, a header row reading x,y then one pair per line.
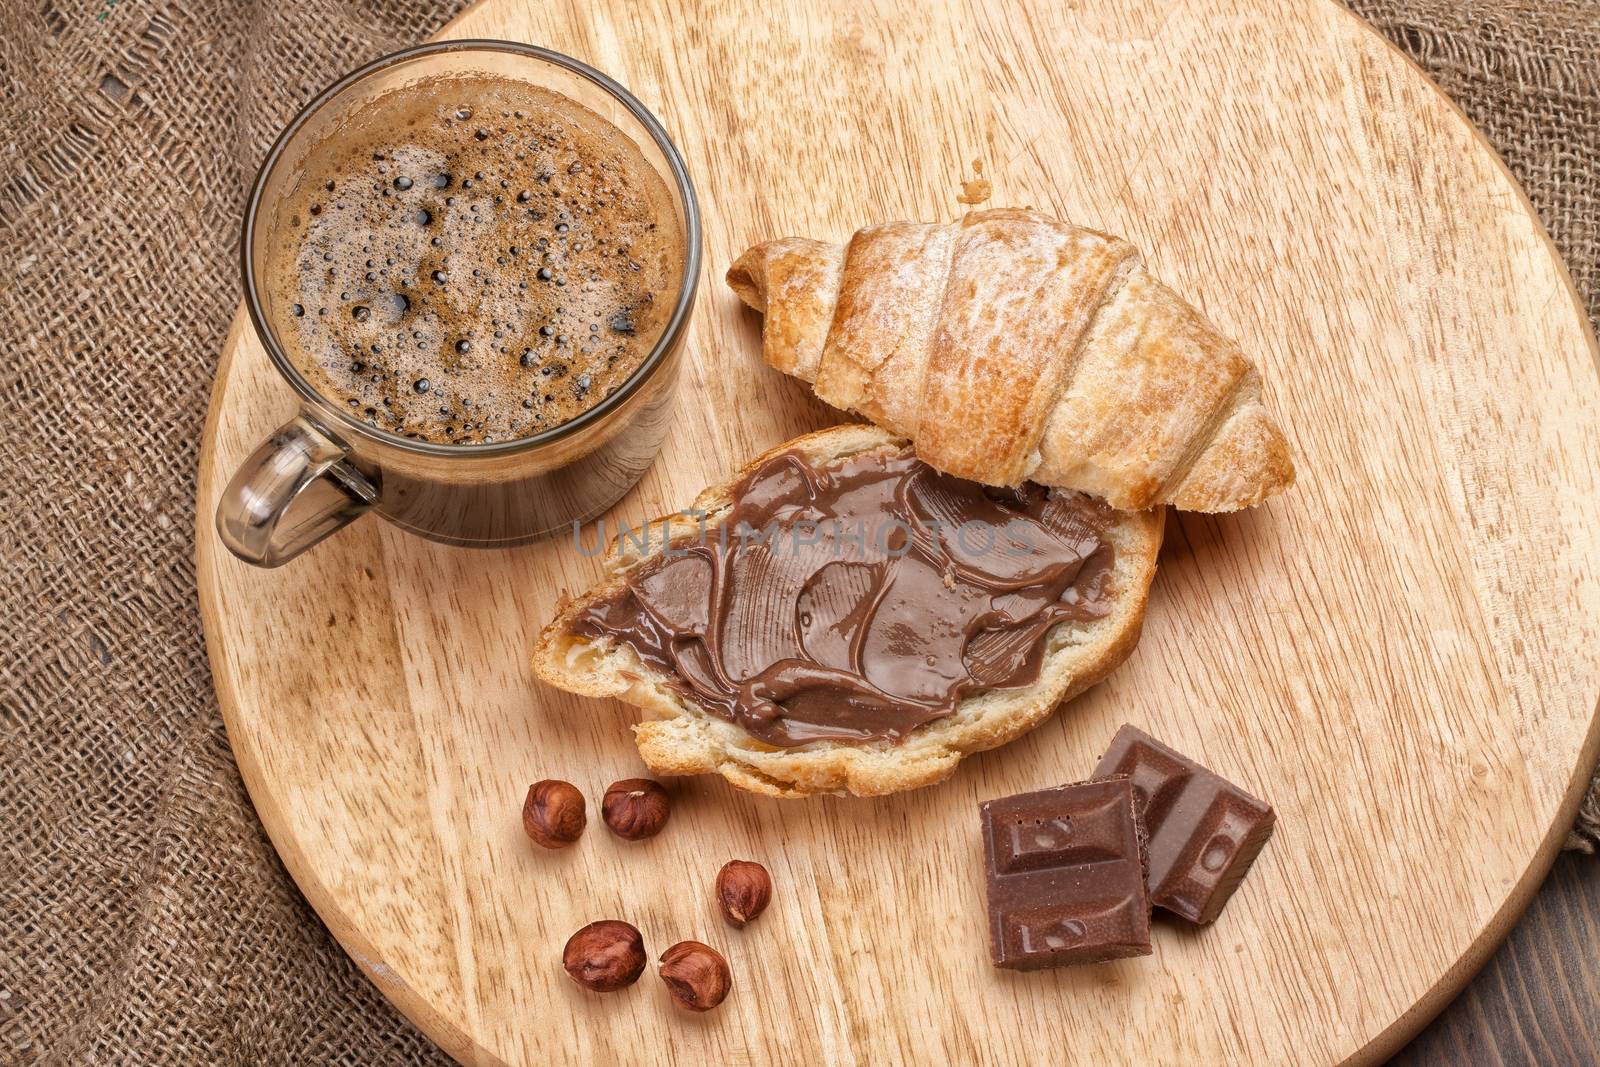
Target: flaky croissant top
x,y
1011,346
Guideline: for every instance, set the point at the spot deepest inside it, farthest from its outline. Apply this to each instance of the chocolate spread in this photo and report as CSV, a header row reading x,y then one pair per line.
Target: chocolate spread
x,y
860,599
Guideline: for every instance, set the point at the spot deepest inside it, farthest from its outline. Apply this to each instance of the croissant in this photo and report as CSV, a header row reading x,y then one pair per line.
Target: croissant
x,y
1011,346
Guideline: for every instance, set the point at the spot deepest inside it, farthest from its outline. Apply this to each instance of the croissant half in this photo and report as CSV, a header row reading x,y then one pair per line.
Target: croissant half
x,y
1011,346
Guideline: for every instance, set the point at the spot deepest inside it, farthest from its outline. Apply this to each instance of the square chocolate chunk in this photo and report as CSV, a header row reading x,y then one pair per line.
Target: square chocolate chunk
x,y
1204,831
1066,876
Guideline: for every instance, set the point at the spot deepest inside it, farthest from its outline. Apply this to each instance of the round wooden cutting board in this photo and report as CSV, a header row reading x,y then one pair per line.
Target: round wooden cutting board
x,y
1402,653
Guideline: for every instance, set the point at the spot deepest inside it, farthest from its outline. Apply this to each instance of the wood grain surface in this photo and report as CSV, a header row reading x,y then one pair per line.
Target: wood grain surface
x,y
1402,653
1537,1001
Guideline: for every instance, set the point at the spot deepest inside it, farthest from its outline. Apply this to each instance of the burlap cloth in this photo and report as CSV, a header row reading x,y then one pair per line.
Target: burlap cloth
x,y
144,917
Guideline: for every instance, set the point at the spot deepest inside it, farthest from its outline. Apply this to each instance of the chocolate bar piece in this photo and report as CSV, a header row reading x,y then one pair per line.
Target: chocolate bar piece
x,y
1204,831
1066,876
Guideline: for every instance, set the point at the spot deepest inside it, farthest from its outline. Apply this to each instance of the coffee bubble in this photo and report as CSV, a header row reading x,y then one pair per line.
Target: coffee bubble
x,y
420,266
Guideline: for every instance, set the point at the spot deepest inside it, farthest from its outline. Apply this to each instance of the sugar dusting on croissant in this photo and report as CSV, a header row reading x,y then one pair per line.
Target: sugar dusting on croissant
x,y
1011,346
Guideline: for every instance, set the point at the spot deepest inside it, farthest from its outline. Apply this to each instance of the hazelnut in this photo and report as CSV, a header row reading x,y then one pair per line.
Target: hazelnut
x,y
635,808
553,813
696,975
744,889
605,956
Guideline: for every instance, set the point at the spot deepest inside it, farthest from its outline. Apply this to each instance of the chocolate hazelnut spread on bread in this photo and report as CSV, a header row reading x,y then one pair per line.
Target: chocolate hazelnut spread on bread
x,y
860,599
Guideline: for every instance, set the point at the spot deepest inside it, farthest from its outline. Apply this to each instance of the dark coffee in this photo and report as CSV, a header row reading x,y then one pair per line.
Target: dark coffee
x,y
473,260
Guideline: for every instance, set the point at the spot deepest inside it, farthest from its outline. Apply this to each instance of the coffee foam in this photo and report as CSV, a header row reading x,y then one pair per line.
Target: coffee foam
x,y
474,259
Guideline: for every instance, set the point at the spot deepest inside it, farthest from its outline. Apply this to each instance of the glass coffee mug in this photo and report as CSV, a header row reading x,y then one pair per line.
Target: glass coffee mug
x,y
324,468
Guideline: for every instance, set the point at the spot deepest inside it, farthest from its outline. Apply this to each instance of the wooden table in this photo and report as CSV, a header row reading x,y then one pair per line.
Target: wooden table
x,y
1538,999
1423,753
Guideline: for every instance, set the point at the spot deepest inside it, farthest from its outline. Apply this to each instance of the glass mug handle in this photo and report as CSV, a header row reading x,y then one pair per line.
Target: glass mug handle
x,y
296,489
